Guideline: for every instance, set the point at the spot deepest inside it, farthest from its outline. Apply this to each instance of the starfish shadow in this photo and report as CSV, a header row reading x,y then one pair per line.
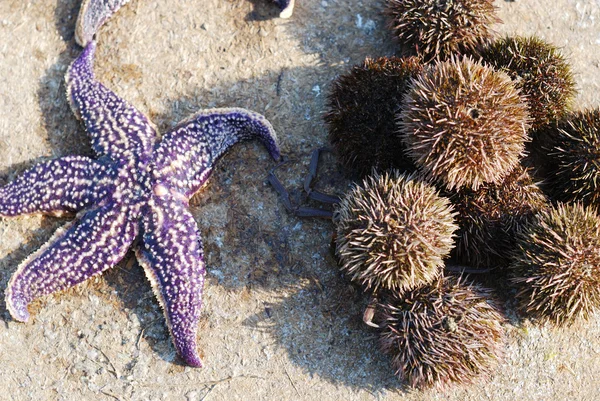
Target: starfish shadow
x,y
65,134
65,18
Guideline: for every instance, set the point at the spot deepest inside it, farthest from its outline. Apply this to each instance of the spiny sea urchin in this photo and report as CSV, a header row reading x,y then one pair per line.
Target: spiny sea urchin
x,y
490,217
436,29
447,331
576,158
463,123
361,114
393,232
556,265
539,71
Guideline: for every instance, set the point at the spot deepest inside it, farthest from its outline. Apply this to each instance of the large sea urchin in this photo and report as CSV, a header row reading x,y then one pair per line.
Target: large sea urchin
x,y
576,158
361,114
557,264
539,71
490,217
436,29
464,123
393,232
448,331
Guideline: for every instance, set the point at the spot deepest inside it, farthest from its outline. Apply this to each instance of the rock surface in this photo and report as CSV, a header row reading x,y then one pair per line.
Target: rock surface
x,y
279,322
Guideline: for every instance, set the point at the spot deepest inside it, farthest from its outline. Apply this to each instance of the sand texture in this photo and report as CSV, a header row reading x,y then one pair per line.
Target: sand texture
x,y
279,322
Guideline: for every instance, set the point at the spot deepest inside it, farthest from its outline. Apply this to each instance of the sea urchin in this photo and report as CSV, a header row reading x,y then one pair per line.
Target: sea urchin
x,y
448,331
490,217
393,232
436,29
361,114
556,265
576,158
464,124
540,72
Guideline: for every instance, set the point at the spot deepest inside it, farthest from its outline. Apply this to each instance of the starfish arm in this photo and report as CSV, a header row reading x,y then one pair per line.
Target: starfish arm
x,y
185,157
286,7
81,249
92,14
172,257
69,184
115,127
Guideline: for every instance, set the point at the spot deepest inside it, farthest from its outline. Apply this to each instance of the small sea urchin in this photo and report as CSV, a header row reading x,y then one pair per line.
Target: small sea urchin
x,y
576,158
436,29
361,114
556,265
464,124
393,232
448,331
490,217
539,71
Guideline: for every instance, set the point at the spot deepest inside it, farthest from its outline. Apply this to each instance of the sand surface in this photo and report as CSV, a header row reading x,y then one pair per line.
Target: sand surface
x,y
279,322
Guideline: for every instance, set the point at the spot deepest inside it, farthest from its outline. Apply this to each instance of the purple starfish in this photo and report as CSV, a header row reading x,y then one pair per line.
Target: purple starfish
x,y
93,13
134,187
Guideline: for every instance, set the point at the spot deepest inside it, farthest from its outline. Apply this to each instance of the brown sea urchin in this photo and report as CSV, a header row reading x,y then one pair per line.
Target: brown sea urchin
x,y
539,71
576,158
464,124
448,331
361,114
556,265
393,232
436,29
490,217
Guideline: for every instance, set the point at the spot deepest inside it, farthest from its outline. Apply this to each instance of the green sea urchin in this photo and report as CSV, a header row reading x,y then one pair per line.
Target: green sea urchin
x,y
490,217
361,114
576,158
437,29
464,124
393,232
539,71
448,331
556,265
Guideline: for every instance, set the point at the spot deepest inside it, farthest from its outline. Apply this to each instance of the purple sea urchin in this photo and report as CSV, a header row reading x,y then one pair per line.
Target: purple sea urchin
x,y
576,158
464,124
436,29
539,71
448,331
490,217
556,265
393,232
361,114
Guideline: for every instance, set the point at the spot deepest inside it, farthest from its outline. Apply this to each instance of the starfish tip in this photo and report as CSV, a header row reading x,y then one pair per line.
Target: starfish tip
x,y
17,307
276,155
191,358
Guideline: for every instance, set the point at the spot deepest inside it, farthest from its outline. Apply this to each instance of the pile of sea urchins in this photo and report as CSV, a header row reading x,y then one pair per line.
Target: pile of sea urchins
x,y
469,153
